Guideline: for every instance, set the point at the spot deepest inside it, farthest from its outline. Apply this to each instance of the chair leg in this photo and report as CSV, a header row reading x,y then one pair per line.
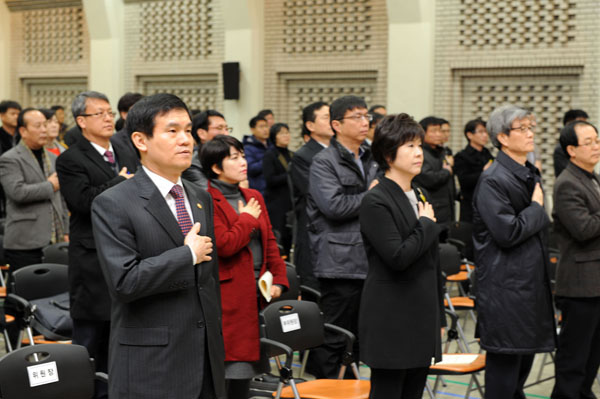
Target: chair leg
x,y
355,370
304,361
469,387
279,388
429,391
435,384
7,340
294,389
479,387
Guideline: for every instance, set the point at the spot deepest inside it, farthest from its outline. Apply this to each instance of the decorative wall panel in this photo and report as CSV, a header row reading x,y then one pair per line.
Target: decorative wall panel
x,y
47,92
198,91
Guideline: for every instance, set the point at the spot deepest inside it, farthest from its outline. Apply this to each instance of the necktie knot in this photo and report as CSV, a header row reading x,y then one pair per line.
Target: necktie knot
x,y
176,191
109,155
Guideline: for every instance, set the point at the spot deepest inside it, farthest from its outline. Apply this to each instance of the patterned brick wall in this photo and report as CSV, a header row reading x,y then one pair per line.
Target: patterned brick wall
x,y
175,46
541,54
318,50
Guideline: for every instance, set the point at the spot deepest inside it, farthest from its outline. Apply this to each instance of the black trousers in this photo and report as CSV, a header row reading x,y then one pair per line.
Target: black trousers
x,y
340,302
578,355
94,335
19,258
302,257
505,375
398,384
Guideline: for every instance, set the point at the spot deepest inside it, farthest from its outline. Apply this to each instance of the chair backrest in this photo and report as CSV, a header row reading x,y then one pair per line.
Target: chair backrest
x,y
463,231
297,324
294,284
449,259
60,371
57,253
40,281
2,256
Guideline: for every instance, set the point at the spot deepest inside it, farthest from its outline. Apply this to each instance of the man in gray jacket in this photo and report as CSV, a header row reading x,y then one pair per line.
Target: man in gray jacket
x,y
577,224
339,177
35,213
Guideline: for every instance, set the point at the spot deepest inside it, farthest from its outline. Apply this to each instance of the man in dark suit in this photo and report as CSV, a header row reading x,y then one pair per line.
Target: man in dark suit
x,y
315,124
86,169
577,224
156,255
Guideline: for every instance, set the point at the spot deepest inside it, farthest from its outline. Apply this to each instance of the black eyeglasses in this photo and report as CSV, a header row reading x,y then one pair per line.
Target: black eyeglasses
x,y
100,114
358,118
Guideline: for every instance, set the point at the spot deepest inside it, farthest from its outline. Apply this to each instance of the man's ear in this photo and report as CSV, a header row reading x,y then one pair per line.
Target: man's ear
x,y
571,150
139,140
202,135
310,126
21,130
336,126
80,121
502,138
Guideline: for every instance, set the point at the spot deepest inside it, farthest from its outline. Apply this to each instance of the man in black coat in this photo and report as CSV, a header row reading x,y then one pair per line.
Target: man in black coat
x,y
469,163
316,124
577,225
436,175
156,254
514,302
86,169
561,158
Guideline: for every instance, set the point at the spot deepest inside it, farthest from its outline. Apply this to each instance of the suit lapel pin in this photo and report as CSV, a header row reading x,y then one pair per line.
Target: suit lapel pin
x,y
199,206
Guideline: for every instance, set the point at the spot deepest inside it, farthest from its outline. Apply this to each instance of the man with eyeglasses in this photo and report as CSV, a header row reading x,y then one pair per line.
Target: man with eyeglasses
x,y
514,302
205,126
339,177
89,167
577,225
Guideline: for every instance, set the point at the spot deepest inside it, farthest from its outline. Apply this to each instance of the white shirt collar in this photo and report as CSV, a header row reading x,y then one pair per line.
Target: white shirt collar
x,y
101,150
163,185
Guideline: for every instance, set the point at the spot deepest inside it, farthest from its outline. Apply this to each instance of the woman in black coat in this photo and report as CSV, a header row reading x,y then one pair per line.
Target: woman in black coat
x,y
277,192
401,311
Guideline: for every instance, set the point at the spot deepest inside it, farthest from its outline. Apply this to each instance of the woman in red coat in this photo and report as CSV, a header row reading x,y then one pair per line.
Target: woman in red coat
x,y
246,248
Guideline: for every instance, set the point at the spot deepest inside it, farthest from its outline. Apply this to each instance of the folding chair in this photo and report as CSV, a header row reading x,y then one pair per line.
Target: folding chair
x,y
36,282
48,372
57,253
291,325
457,364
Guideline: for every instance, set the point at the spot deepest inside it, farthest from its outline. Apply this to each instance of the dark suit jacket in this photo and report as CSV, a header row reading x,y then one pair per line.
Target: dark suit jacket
x,y
122,141
438,182
577,222
165,310
277,191
401,310
83,174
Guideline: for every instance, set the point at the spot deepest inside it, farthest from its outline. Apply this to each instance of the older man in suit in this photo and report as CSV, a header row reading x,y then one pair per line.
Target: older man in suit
x,y
35,213
316,125
157,258
577,223
86,169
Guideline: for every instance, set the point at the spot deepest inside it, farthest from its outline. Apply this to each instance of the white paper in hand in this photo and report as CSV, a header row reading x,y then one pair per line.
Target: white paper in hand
x,y
265,282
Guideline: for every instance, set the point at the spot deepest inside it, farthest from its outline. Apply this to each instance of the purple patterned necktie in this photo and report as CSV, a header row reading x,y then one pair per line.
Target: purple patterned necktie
x,y
109,155
183,218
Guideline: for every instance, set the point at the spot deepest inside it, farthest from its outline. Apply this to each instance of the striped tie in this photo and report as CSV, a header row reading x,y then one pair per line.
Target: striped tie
x,y
183,218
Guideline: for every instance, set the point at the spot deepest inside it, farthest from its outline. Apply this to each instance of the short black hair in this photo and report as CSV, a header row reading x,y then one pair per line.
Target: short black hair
x,y
471,126
568,136
430,121
339,106
127,100
215,151
142,115
255,120
374,107
308,115
275,129
443,121
21,117
57,107
6,104
392,132
264,112
48,112
375,118
573,114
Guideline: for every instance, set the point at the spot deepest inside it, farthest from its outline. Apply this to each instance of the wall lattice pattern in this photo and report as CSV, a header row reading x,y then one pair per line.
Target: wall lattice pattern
x,y
326,26
196,93
516,23
176,30
47,92
53,35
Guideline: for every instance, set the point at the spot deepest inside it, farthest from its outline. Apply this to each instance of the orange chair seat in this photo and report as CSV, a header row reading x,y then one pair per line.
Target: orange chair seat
x,y
39,339
457,368
2,292
460,276
8,318
461,302
4,267
330,389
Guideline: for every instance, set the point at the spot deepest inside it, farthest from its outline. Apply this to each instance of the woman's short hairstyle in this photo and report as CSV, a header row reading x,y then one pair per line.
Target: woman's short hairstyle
x,y
568,135
215,151
275,129
501,119
392,132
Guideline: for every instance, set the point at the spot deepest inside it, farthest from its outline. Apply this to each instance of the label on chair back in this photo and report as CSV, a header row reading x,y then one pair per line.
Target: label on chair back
x,y
290,322
41,374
